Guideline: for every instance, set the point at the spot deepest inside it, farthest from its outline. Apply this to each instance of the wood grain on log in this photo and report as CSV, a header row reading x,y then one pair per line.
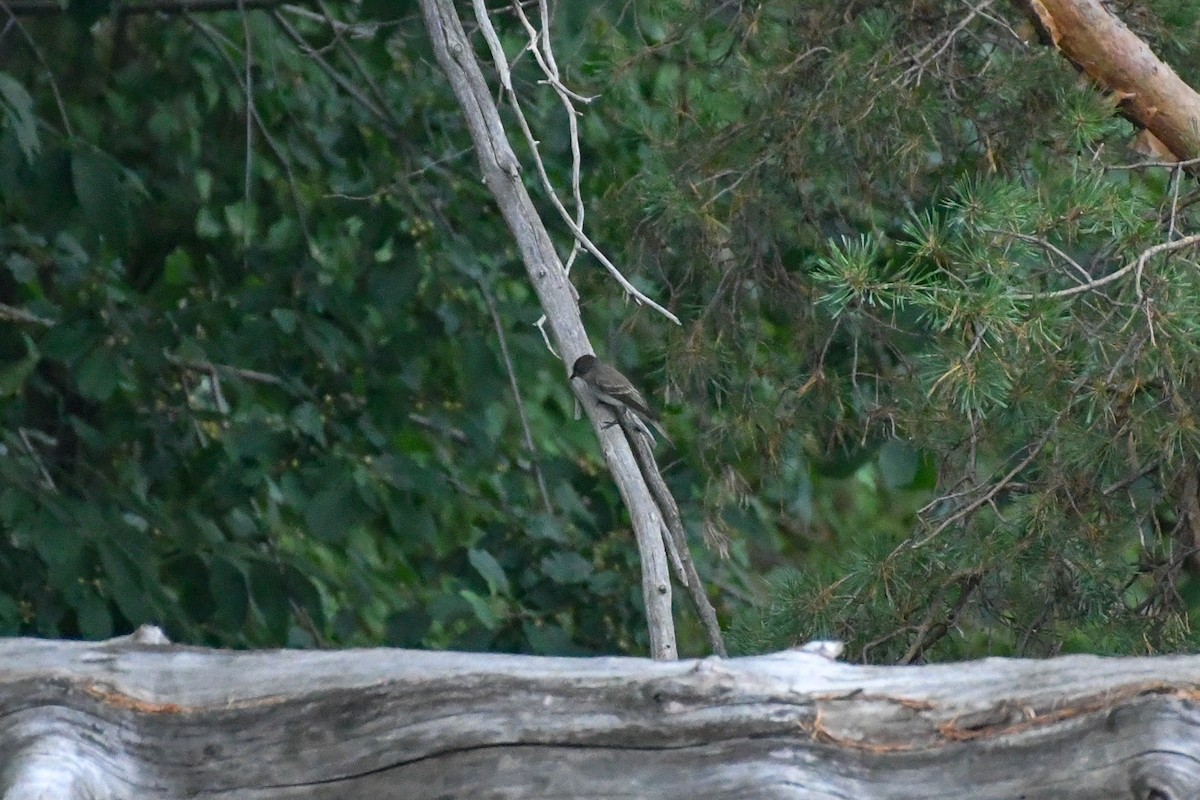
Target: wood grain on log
x,y
122,719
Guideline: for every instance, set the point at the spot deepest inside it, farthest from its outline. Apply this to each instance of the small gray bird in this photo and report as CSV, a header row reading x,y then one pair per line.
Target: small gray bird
x,y
613,389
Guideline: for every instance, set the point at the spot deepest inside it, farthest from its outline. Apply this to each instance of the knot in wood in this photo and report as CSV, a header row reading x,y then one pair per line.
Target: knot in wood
x,y
1163,775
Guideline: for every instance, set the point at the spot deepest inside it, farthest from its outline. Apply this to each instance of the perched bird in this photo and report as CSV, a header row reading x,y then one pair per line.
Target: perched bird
x,y
613,389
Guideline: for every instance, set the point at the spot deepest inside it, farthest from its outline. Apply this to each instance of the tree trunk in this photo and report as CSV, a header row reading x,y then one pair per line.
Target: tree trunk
x,y
1153,95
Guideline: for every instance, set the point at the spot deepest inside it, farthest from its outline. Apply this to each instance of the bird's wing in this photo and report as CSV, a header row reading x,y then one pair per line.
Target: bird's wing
x,y
618,387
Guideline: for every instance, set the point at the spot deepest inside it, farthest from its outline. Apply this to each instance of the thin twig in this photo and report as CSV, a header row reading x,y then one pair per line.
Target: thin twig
x,y
248,88
363,73
915,71
1002,24
14,314
37,459
930,632
37,52
544,55
987,496
1044,243
1178,244
186,381
493,43
1144,164
569,219
1132,478
254,376
429,423
293,188
1176,174
541,326
526,431
1139,264
341,80
356,30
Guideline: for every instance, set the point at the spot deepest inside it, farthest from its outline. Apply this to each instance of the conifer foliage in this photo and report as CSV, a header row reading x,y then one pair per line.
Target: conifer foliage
x,y
931,247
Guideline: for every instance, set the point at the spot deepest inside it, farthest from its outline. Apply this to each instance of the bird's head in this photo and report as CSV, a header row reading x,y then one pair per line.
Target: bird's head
x,y
583,365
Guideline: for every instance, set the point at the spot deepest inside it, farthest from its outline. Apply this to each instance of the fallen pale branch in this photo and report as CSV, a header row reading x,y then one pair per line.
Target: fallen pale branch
x,y
125,719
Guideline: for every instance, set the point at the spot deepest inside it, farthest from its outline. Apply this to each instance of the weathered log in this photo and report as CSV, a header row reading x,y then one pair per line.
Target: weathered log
x,y
125,720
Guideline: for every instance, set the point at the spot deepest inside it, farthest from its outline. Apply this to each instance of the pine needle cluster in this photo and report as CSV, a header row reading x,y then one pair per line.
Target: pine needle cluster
x,y
918,230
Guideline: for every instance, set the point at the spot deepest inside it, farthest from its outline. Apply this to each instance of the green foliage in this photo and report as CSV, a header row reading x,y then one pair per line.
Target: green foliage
x,y
251,385
916,231
251,388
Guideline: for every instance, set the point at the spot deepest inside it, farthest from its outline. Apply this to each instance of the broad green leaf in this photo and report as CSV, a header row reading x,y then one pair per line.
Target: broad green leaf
x,y
482,608
308,419
22,268
101,195
13,375
207,224
898,463
17,107
177,268
326,513
97,375
566,567
407,628
269,597
490,570
546,526
61,548
551,640
286,319
69,341
10,616
15,505
304,594
95,618
230,593
124,580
